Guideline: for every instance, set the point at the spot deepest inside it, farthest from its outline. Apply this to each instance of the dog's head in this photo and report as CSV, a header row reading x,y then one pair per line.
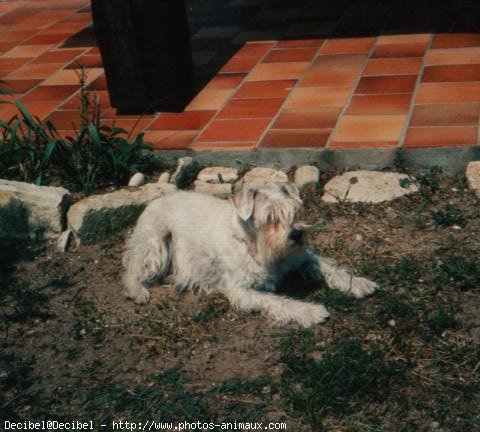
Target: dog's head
x,y
268,214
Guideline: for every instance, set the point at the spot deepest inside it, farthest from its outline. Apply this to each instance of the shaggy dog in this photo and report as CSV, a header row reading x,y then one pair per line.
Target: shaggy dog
x,y
242,248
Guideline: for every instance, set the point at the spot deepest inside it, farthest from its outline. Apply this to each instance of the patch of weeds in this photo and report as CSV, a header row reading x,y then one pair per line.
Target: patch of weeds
x,y
23,303
448,216
442,319
405,270
394,306
238,386
333,299
87,321
429,183
346,377
164,396
96,156
214,308
458,272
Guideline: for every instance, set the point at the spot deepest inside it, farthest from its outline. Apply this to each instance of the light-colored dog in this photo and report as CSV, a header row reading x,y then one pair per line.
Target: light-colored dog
x,y
241,248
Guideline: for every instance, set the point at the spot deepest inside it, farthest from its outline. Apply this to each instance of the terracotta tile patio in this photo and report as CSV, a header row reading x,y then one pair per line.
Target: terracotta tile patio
x,y
416,90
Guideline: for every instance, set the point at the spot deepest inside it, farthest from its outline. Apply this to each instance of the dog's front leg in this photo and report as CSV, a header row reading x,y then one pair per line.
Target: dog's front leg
x,y
343,280
282,309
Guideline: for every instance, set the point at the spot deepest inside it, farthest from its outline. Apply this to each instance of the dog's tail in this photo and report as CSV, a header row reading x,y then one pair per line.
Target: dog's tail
x,y
146,259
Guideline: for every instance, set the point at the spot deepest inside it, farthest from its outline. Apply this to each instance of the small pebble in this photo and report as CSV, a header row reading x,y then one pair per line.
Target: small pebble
x,y
138,179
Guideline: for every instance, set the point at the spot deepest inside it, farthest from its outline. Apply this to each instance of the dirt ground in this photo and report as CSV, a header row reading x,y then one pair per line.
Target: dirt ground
x,y
405,359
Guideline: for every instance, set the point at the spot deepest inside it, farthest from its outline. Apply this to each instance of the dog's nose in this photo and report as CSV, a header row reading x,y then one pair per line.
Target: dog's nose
x,y
295,235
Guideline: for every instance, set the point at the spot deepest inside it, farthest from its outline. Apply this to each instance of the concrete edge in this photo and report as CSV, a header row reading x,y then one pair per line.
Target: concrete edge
x,y
450,159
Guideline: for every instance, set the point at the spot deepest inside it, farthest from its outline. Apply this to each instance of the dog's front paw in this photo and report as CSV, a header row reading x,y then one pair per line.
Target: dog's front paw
x,y
362,287
142,296
311,314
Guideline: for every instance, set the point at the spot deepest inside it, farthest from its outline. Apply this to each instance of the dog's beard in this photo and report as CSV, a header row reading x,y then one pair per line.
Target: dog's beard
x,y
273,245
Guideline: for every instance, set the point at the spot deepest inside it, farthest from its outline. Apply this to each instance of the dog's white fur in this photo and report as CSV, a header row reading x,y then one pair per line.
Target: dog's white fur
x,y
242,248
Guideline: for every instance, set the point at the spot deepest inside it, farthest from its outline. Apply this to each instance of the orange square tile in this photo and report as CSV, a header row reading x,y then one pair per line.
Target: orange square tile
x,y
448,92
347,46
21,86
170,140
70,77
239,64
446,73
327,78
318,97
265,89
223,146
340,62
452,56
456,40
188,120
15,36
35,71
58,56
422,38
380,104
393,66
385,128
7,112
251,108
48,38
421,137
399,50
65,119
386,84
238,130
277,71
361,144
86,61
132,126
98,84
210,99
50,93
40,109
27,51
300,43
462,114
295,138
226,81
290,55
313,119
8,65
254,49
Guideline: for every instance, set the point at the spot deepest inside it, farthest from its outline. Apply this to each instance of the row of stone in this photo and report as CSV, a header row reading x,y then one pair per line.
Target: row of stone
x,y
41,211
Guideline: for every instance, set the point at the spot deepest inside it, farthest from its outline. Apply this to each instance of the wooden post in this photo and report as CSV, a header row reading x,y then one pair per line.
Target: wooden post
x,y
145,49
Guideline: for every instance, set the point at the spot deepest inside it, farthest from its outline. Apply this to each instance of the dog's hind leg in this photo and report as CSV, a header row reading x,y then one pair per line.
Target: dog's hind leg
x,y
146,259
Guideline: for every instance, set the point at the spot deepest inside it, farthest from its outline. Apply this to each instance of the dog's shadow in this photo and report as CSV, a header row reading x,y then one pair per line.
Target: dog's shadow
x,y
296,284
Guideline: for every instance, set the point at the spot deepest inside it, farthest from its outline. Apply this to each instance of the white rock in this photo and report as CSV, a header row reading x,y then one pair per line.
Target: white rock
x,y
213,175
64,240
99,216
164,177
138,179
185,173
306,175
260,177
368,187
473,176
27,210
213,188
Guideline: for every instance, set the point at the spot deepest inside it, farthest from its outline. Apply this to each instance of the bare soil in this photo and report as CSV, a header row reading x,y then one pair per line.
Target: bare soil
x,y
73,348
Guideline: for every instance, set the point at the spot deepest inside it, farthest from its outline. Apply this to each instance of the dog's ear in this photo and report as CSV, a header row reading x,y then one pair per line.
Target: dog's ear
x,y
244,202
290,190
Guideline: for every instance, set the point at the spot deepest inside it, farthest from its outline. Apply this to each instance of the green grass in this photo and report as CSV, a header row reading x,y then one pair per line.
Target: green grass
x,y
95,156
